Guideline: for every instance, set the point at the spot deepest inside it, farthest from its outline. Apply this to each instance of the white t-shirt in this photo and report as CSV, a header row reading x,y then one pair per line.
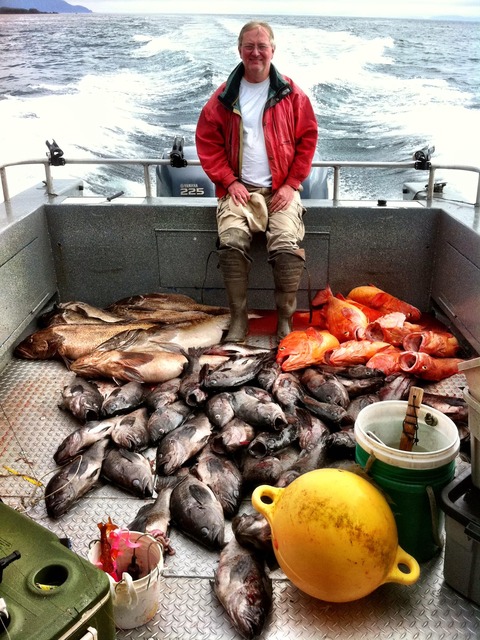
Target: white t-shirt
x,y
255,167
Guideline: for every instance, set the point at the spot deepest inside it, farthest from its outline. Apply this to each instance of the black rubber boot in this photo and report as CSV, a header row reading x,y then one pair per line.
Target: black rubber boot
x,y
235,268
287,272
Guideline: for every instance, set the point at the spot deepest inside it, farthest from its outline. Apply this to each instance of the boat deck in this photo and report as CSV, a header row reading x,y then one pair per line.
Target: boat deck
x,y
32,426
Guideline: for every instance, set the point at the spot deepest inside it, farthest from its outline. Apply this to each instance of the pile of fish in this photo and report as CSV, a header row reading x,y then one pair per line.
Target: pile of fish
x,y
168,412
374,328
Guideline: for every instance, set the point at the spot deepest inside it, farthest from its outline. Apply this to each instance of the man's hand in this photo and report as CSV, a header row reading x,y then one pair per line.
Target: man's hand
x,y
281,199
239,193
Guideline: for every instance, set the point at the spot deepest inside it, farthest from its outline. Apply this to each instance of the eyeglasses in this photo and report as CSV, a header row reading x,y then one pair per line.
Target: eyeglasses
x,y
251,47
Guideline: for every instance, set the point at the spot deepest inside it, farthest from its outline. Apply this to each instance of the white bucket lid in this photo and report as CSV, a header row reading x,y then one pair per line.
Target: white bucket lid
x,y
382,418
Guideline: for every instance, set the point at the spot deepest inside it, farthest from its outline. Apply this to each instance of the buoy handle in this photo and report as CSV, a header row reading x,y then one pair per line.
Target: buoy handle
x,y
405,569
264,499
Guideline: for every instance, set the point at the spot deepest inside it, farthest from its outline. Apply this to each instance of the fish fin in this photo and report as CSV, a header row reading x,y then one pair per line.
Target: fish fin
x,y
322,296
67,362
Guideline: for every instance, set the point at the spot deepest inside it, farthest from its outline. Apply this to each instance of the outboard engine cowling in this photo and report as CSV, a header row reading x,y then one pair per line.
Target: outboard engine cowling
x,y
181,179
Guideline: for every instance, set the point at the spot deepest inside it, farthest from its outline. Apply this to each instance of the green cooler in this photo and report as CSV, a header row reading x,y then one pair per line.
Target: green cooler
x,y
48,592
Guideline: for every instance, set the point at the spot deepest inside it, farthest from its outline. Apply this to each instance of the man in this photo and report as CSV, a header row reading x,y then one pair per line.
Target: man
x,y
256,138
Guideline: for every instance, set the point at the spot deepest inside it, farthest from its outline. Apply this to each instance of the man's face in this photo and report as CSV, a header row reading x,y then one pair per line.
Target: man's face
x,y
256,53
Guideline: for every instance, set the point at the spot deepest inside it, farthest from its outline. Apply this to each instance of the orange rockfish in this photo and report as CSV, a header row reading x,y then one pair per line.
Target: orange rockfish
x,y
353,352
392,328
387,360
422,365
344,319
377,299
302,348
435,343
372,314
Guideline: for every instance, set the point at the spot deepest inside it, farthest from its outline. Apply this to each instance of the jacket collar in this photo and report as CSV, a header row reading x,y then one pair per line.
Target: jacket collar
x,y
279,87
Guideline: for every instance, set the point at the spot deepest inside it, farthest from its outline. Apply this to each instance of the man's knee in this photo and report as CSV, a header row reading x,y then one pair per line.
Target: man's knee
x,y
234,239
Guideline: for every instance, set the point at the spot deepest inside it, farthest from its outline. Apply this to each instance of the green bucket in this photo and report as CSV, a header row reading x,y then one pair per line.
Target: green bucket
x,y
411,480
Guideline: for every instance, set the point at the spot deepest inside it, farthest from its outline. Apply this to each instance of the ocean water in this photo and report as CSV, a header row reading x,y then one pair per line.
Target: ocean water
x,y
126,85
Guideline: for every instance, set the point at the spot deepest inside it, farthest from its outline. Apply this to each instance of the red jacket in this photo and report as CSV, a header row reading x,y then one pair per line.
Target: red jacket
x,y
290,129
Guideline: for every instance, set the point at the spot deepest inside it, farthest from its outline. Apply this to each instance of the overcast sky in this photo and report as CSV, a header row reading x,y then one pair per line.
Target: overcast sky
x,y
367,8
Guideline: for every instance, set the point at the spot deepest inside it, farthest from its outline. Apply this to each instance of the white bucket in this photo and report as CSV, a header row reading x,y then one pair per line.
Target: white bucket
x,y
413,479
135,602
378,430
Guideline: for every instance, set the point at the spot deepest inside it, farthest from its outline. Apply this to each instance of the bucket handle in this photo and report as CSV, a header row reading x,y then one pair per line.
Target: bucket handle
x,y
434,515
132,593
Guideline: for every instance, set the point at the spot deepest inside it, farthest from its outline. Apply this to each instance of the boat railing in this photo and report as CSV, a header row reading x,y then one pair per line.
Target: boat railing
x,y
147,163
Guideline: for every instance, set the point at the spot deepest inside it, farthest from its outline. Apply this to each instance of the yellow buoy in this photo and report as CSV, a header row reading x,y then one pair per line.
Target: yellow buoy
x,y
334,535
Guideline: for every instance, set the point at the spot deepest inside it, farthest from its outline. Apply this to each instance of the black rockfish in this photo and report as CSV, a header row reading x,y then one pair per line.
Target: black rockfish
x,y
167,418
82,399
243,589
222,476
130,430
74,479
182,443
197,512
361,386
128,470
267,443
314,456
163,393
396,386
236,434
287,390
82,438
324,387
154,518
253,531
325,410
455,408
357,404
354,372
267,470
236,371
191,385
256,408
123,399
219,409
268,374
342,444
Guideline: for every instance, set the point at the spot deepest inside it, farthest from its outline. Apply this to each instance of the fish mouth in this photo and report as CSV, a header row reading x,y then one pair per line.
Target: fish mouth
x,y
408,361
291,361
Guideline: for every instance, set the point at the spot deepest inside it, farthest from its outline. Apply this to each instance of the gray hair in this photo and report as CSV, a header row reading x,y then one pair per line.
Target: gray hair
x,y
254,24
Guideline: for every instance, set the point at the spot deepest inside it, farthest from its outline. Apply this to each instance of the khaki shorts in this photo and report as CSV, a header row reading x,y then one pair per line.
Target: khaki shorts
x,y
284,229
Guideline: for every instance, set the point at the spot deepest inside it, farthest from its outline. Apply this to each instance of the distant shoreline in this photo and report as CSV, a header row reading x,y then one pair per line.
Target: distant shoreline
x,y
26,11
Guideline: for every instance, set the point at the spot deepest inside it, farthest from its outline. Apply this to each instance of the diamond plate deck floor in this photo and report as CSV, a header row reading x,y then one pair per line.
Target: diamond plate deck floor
x,y
32,426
